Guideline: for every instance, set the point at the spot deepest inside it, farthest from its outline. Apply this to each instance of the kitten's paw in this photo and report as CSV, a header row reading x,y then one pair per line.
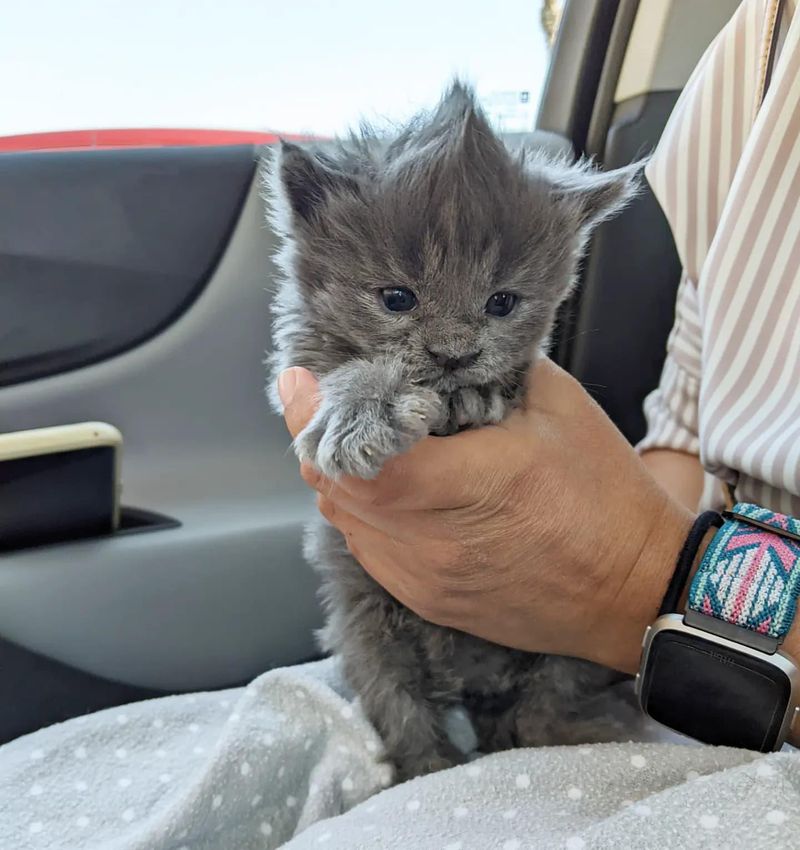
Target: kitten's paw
x,y
358,438
473,406
478,406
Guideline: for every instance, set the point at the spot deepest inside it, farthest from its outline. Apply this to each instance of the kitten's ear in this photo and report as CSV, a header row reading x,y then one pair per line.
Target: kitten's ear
x,y
297,185
593,196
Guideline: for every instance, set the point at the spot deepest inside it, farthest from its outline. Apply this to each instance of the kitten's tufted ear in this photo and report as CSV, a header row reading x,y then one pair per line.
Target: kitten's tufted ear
x,y
593,196
297,185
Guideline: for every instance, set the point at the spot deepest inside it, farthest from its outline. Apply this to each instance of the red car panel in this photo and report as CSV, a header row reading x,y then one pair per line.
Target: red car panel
x,y
140,138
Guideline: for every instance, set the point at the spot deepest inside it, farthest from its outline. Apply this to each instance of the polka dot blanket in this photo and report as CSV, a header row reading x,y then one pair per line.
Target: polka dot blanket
x,y
291,762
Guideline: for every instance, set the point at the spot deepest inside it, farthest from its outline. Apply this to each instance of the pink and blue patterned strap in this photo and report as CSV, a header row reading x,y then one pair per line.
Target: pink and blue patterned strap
x,y
749,576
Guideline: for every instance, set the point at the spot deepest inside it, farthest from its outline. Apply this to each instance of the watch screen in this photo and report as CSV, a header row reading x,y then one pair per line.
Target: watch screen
x,y
714,694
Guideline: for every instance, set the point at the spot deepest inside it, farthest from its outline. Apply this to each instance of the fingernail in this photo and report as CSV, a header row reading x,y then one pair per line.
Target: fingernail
x,y
287,383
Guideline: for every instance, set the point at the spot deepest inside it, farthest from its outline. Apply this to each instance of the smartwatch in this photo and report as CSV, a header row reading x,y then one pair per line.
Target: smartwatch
x,y
716,671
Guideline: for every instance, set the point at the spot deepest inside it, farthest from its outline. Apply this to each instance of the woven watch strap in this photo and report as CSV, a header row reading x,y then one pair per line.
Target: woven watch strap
x,y
750,574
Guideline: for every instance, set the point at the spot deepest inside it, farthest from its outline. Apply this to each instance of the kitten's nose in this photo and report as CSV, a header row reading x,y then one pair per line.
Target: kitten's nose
x,y
447,360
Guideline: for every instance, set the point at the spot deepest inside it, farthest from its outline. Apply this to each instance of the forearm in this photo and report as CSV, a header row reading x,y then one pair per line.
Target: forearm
x,y
679,473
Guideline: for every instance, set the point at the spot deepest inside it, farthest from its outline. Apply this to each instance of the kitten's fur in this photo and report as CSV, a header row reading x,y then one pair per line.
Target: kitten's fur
x,y
447,211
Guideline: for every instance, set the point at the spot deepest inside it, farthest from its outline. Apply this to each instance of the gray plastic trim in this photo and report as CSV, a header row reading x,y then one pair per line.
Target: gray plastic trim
x,y
604,101
668,39
575,69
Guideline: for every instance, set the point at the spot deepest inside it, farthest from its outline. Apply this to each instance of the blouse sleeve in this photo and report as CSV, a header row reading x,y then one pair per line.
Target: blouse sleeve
x,y
685,187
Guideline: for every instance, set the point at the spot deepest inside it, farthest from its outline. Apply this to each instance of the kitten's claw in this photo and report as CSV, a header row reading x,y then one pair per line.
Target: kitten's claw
x,y
471,406
358,438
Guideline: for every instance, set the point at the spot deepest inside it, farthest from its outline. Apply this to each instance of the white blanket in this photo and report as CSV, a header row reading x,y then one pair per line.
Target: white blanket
x,y
290,761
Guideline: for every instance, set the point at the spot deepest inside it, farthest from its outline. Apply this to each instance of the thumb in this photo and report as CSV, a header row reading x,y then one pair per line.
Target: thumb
x,y
298,389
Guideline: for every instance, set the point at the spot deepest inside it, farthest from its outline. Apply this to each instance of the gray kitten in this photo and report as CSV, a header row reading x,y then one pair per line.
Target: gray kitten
x,y
421,278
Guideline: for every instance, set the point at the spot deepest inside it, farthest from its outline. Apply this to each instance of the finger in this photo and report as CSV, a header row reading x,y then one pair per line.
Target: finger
x,y
298,390
434,474
406,526
437,473
379,554
337,516
361,537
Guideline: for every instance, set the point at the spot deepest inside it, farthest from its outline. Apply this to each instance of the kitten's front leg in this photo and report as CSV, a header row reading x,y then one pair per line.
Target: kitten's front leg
x,y
473,406
369,412
483,405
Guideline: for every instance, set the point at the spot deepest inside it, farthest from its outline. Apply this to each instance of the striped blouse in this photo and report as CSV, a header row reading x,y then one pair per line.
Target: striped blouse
x,y
727,174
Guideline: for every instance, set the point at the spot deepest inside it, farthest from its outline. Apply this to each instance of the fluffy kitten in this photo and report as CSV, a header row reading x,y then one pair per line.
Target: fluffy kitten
x,y
421,277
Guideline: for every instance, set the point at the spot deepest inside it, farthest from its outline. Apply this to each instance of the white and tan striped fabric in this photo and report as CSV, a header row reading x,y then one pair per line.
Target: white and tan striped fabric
x,y
727,174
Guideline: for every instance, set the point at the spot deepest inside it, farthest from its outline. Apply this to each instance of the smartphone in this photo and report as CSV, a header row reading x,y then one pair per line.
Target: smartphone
x,y
59,483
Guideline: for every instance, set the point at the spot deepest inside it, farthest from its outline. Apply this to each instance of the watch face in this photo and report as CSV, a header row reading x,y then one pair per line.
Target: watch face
x,y
713,693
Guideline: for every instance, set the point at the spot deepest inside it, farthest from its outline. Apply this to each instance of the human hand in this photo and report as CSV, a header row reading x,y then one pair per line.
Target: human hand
x,y
544,532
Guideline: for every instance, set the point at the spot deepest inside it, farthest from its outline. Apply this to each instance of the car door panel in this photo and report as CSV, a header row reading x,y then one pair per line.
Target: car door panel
x,y
38,691
225,594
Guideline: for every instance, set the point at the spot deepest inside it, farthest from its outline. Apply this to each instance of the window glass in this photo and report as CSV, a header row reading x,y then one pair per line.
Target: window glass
x,y
306,67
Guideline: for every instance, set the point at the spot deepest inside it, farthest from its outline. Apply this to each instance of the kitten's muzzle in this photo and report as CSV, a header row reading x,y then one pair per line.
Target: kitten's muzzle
x,y
450,362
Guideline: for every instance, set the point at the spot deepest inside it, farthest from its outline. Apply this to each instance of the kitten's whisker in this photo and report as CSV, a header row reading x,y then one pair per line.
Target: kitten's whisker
x,y
580,333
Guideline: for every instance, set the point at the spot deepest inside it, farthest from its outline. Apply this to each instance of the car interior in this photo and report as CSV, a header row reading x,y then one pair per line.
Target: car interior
x,y
134,291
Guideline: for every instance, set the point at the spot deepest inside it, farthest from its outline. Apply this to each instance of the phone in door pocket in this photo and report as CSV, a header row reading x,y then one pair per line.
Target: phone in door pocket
x,y
60,483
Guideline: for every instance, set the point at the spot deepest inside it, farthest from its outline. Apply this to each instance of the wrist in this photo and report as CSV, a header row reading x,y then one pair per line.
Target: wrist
x,y
616,641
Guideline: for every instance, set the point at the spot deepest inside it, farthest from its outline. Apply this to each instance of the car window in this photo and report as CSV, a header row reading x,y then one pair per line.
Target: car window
x,y
243,66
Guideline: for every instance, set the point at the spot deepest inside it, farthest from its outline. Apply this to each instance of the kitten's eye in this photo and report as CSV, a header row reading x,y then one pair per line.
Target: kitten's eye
x,y
399,299
501,304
